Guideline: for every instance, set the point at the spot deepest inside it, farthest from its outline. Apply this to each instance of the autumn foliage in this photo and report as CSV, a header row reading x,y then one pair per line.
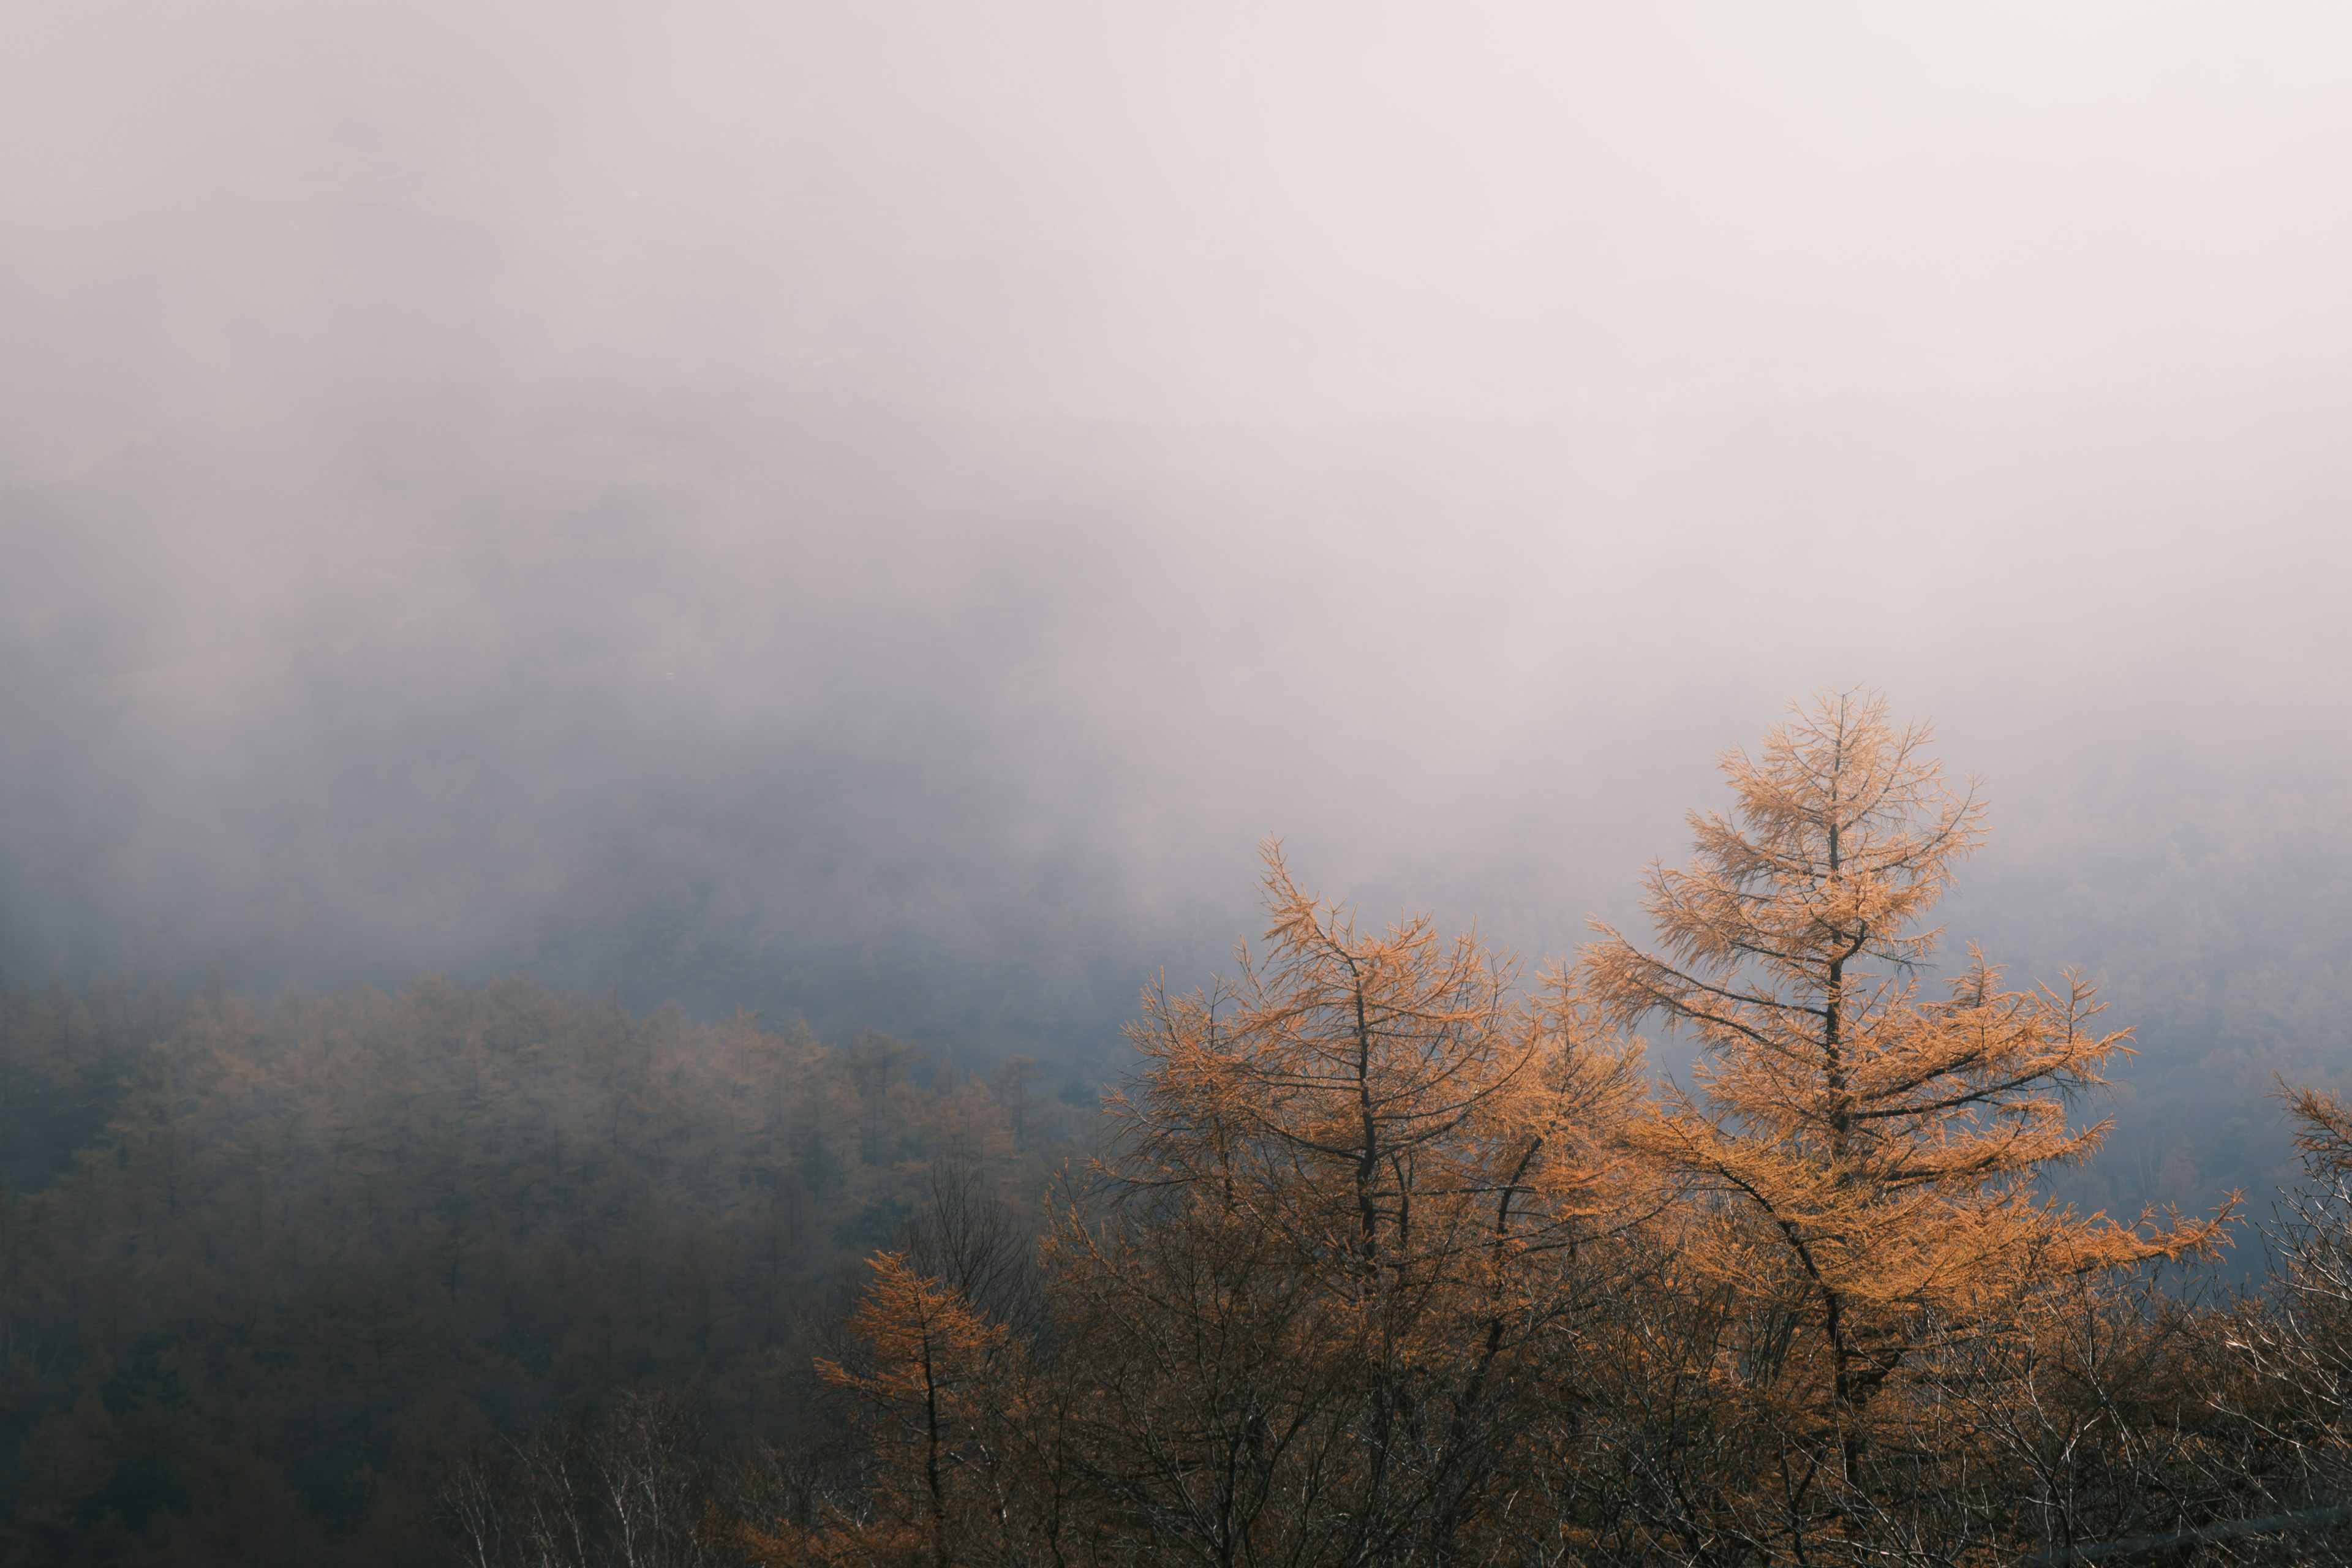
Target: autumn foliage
x,y
1335,1236
1390,1258
1873,1136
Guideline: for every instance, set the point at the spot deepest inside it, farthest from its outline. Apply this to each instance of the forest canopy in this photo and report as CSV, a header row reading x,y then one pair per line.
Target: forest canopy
x,y
1379,1251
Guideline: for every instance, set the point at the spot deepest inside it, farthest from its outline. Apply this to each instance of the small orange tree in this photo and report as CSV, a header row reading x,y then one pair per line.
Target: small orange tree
x,y
928,1379
1876,1141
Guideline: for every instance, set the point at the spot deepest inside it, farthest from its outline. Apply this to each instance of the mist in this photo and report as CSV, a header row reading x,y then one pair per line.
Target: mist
x,y
876,515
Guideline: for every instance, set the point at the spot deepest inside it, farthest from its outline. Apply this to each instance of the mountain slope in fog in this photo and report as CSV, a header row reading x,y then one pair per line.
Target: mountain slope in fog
x,y
783,698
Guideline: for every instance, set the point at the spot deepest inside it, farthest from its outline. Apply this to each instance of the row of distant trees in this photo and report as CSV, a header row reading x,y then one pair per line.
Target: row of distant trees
x,y
265,1272
1383,1262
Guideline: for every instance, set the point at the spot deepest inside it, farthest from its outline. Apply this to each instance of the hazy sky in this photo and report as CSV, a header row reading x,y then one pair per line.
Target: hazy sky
x,y
439,444
1203,212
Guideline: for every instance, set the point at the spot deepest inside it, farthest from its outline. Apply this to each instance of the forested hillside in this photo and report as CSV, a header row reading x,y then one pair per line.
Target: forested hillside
x,y
263,1269
1384,1251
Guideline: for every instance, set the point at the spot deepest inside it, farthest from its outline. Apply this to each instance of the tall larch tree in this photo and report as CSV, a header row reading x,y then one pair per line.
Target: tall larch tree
x,y
1872,1138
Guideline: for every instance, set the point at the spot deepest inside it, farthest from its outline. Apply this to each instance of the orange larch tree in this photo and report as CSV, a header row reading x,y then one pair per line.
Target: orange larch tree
x,y
927,1377
1873,1138
1341,1207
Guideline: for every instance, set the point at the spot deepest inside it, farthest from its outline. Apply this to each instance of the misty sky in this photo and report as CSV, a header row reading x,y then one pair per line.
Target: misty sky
x,y
484,484
1247,214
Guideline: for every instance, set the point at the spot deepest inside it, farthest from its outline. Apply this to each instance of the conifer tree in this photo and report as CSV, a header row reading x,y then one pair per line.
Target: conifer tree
x,y
1873,1138
927,1363
1343,1196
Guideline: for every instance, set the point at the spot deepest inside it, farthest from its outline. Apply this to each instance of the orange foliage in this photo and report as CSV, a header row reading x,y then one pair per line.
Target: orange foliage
x,y
926,1370
1346,1199
1381,1100
2325,1137
1874,1139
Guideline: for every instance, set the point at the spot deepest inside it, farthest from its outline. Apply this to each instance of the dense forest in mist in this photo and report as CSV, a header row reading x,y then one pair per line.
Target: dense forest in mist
x,y
266,1269
1377,1250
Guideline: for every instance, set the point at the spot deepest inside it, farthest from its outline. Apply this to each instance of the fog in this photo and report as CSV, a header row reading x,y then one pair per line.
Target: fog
x,y
876,512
